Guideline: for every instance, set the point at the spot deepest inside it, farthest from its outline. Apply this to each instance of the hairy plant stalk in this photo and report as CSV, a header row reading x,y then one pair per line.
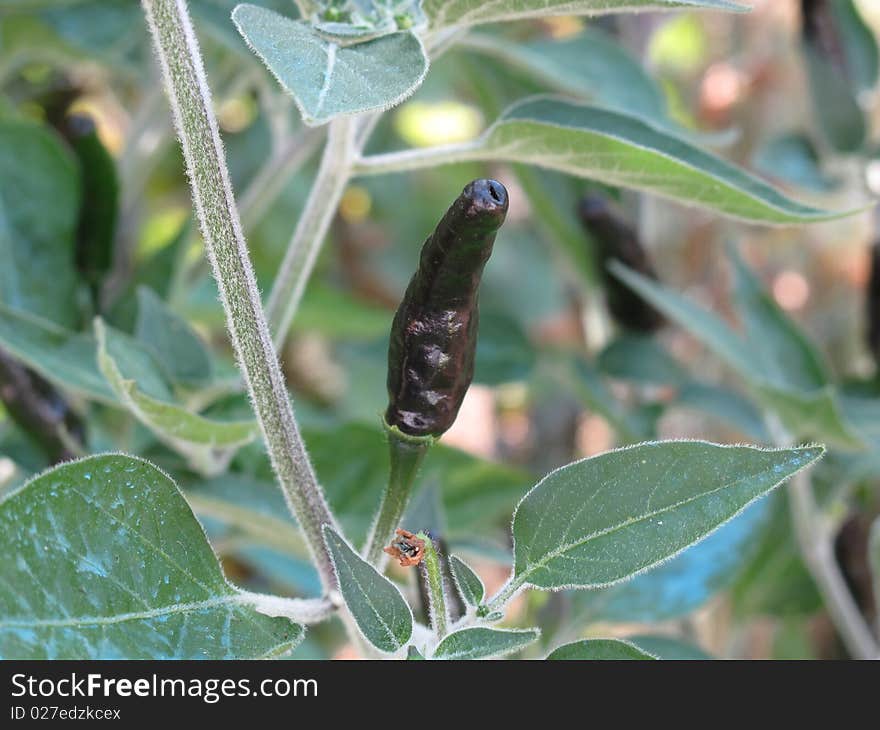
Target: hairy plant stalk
x,y
818,553
431,572
407,453
311,229
188,93
416,159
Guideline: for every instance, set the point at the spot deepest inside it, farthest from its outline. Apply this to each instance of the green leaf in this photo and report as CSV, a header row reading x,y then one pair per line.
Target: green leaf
x,y
106,561
859,45
775,581
442,13
327,78
725,405
378,608
470,586
594,649
835,105
622,150
339,315
682,584
641,359
189,433
39,207
481,642
590,65
178,349
874,554
251,507
782,352
602,520
64,358
504,351
664,647
808,414
794,160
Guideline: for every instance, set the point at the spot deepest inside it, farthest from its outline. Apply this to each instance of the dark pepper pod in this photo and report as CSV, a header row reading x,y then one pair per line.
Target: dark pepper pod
x,y
434,334
820,33
872,304
39,409
616,240
100,198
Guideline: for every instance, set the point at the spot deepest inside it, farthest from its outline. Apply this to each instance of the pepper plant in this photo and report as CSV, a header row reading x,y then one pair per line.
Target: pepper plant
x,y
142,442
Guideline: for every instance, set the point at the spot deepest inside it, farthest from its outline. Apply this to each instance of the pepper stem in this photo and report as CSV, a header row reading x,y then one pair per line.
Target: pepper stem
x,y
431,572
406,453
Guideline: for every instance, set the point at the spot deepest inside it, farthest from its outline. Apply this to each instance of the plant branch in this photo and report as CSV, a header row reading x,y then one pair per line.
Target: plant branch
x,y
189,96
431,572
311,229
407,453
417,159
817,550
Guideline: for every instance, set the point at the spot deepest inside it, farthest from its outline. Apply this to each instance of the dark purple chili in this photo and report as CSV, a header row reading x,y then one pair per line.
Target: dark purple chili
x,y
820,32
617,240
872,303
100,199
434,334
39,409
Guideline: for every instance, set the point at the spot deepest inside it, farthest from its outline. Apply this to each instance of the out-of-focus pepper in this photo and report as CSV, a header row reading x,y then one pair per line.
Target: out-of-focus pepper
x,y
819,31
100,199
872,304
616,240
434,334
39,409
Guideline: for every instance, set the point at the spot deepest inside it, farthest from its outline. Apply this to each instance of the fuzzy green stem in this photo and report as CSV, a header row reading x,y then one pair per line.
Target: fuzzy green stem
x,y
406,453
507,592
186,86
431,572
311,229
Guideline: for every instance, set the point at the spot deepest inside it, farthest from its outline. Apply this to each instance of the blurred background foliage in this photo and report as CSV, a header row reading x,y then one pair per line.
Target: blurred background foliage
x,y
556,379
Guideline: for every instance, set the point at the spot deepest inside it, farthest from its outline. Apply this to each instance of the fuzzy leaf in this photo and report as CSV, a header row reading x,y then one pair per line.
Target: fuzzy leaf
x,y
188,432
593,649
470,586
174,343
64,358
874,554
808,414
376,604
326,77
602,520
39,209
481,642
622,150
141,582
443,13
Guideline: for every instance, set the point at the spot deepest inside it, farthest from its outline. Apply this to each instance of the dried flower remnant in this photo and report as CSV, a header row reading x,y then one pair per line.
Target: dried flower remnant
x,y
406,548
